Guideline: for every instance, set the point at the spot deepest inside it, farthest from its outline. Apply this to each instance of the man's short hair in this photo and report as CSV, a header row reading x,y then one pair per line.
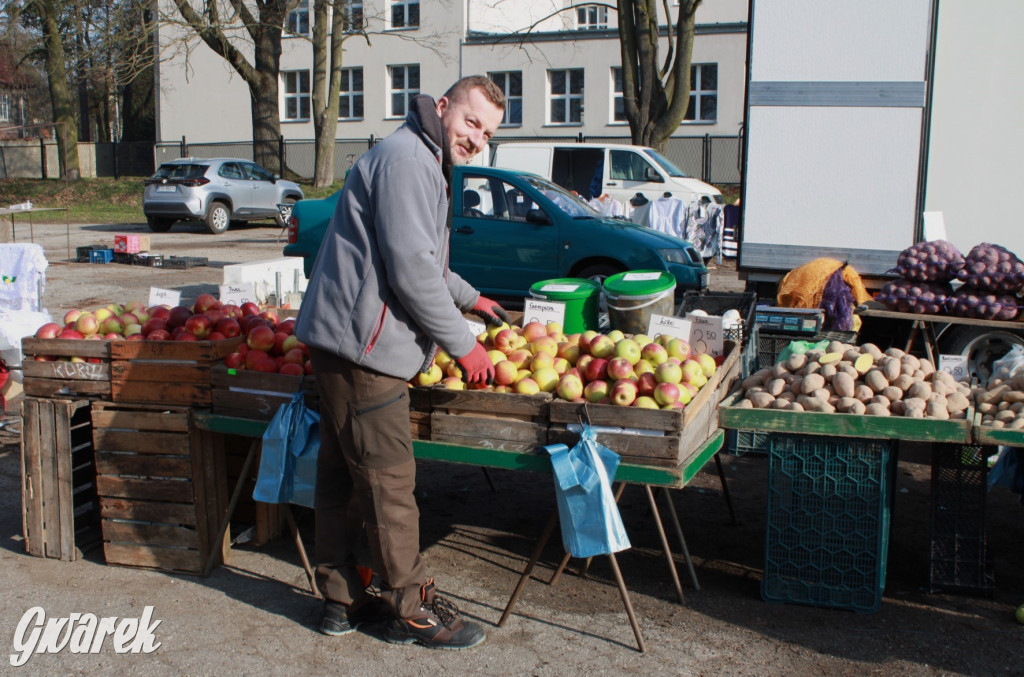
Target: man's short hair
x,y
485,84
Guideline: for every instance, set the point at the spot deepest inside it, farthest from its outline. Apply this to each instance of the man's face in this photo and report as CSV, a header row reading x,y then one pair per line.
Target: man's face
x,y
470,121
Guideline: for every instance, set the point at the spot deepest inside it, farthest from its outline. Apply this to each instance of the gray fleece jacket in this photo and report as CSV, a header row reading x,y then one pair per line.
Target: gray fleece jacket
x,y
380,294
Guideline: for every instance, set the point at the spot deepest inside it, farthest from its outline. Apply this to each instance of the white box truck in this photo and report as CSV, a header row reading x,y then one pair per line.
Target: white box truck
x,y
876,113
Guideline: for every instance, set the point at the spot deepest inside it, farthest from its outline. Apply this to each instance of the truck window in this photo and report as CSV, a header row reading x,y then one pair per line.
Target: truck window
x,y
628,166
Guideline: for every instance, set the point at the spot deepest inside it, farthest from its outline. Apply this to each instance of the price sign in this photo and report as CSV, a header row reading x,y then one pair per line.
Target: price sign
x,y
476,328
539,310
160,297
641,277
706,334
237,293
956,366
675,327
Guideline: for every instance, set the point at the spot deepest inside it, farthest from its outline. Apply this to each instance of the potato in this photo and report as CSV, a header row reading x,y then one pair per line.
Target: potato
x,y
945,377
779,370
894,352
781,403
796,385
811,383
891,369
911,360
920,389
848,368
830,358
756,379
810,368
1005,416
744,404
814,355
846,403
1017,406
993,395
761,400
1016,424
775,387
863,363
907,369
843,385
1013,396
913,412
863,392
1017,382
795,406
892,393
796,362
914,403
871,349
940,388
876,409
926,366
828,371
997,424
823,393
936,410
986,407
876,380
837,347
957,402
882,400
858,408
898,408
816,404
903,382
851,355
939,400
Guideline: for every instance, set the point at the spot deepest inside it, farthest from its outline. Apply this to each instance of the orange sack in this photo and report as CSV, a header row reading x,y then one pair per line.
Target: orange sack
x,y
802,287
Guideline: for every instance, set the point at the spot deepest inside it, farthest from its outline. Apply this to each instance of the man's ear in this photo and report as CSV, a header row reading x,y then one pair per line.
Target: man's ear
x,y
442,105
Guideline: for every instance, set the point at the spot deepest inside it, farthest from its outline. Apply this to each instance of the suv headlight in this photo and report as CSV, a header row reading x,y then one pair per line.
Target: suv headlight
x,y
681,256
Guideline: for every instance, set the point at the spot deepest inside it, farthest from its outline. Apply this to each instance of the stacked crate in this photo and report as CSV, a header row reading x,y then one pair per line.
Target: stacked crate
x,y
166,372
66,368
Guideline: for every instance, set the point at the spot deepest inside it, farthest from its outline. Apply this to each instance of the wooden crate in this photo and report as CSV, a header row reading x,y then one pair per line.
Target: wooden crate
x,y
660,437
56,376
60,511
165,372
256,395
472,418
419,413
161,485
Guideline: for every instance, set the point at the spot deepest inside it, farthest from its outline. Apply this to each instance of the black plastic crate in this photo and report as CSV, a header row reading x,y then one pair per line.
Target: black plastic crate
x,y
123,257
184,262
768,345
716,303
960,559
148,260
82,253
743,442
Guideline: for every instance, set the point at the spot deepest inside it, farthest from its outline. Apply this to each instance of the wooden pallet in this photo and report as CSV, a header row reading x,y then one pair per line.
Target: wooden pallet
x,y
49,371
506,421
60,511
166,372
256,395
660,437
161,484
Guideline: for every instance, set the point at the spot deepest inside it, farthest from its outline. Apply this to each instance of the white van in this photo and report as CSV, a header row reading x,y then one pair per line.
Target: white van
x,y
591,169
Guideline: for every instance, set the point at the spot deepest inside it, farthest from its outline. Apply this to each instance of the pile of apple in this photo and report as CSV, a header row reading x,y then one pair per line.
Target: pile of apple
x,y
270,347
613,368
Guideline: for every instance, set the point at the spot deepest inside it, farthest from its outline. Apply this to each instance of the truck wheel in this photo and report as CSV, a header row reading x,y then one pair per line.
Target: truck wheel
x,y
285,212
218,218
981,346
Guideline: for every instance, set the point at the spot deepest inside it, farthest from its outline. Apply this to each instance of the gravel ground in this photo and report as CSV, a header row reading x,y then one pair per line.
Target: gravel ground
x,y
255,614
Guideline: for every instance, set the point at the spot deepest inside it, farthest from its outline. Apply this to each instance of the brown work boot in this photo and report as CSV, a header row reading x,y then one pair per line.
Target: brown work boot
x,y
436,625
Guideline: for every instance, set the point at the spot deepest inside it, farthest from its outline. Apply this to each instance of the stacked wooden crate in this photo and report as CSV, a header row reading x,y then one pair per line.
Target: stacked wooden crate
x,y
166,372
506,421
256,395
66,368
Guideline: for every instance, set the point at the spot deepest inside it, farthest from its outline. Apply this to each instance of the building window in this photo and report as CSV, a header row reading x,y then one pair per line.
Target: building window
x,y
298,19
405,13
405,84
591,18
703,93
354,20
565,103
618,102
5,107
350,104
512,84
296,95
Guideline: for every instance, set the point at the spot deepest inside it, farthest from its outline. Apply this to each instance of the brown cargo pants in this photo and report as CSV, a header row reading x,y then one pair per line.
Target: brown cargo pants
x,y
366,474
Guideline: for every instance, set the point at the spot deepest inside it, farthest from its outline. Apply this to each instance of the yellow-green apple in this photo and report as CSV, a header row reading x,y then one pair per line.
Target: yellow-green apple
x,y
86,323
616,335
663,339
496,356
654,353
686,392
585,339
629,349
546,378
645,383
642,367
596,369
553,328
533,331
493,330
668,372
645,402
453,383
544,344
441,359
501,389
692,369
569,351
503,340
505,373
130,329
453,369
666,393
707,364
679,349
101,314
432,375
623,392
527,386
569,387
523,373
573,339
520,357
675,405
619,367
596,391
111,324
72,316
601,346
582,362
641,339
542,360
561,365
692,389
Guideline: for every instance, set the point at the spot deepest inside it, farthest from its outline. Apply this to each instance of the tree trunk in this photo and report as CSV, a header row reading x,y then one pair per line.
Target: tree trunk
x,y
327,59
60,94
266,127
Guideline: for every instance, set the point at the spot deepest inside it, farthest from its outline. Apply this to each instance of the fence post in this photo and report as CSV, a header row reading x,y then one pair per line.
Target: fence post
x,y
42,157
579,137
117,173
280,154
706,169
371,142
183,148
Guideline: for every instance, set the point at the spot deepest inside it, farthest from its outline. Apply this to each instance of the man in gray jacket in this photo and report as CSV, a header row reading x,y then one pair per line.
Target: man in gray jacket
x,y
380,300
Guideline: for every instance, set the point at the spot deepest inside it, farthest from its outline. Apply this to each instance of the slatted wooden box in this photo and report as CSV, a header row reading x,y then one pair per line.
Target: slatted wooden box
x,y
255,394
49,373
166,372
659,437
491,420
161,484
60,511
419,413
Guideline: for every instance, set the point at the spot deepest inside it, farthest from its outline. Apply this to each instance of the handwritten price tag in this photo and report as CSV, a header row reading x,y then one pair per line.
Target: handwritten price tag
x,y
675,327
706,334
538,310
956,366
237,293
161,297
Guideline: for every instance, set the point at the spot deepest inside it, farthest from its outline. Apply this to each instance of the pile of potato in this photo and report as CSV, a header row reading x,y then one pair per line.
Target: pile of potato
x,y
857,380
1001,403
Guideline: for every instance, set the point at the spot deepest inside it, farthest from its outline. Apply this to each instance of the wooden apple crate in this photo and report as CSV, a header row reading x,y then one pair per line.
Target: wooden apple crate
x,y
61,378
659,437
166,372
473,418
60,511
255,394
419,413
161,485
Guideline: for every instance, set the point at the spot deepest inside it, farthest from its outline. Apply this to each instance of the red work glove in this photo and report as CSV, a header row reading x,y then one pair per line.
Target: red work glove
x,y
477,366
490,312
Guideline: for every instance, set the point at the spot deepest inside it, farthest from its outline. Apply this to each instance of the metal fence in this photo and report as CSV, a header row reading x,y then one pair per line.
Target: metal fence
x,y
39,159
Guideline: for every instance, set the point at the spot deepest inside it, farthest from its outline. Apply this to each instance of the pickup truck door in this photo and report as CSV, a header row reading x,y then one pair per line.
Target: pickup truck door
x,y
493,247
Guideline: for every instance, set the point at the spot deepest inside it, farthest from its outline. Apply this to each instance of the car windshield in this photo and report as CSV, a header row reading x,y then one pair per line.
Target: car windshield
x,y
563,199
666,164
180,171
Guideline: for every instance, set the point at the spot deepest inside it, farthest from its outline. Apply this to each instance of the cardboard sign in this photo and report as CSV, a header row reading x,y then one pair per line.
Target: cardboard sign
x,y
543,311
706,334
237,293
956,366
162,297
675,327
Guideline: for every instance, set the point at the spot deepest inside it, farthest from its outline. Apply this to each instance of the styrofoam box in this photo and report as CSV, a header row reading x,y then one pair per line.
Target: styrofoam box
x,y
263,276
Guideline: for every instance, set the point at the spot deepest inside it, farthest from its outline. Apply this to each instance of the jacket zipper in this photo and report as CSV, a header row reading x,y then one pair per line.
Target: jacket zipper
x,y
377,329
368,410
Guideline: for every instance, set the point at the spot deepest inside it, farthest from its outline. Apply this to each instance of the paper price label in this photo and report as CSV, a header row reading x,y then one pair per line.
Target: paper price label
x,y
238,293
537,310
476,328
956,366
706,334
161,297
640,277
560,287
676,327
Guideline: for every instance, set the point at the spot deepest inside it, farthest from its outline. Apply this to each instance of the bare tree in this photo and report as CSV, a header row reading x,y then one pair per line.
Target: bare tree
x,y
327,59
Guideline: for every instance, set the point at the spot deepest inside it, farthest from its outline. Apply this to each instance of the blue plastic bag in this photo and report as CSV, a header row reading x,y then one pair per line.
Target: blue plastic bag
x,y
291,444
591,524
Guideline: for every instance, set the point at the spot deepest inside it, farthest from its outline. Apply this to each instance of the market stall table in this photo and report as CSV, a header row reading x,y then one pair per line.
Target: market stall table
x,y
8,211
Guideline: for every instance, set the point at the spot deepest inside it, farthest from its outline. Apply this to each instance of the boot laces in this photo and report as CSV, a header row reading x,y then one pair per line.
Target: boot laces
x,y
445,611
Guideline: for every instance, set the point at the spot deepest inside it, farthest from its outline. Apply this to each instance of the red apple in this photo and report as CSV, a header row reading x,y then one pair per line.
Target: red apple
x,y
596,369
278,361
287,325
216,336
254,356
160,312
250,308
270,316
199,326
298,356
266,365
229,327
291,369
177,316
261,338
134,337
215,316
152,324
309,367
235,361
279,338
646,383
70,334
72,316
177,331
205,302
48,330
242,348
232,311
158,335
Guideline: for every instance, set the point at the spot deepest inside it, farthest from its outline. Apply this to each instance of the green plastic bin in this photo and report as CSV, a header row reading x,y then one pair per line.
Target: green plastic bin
x,y
633,296
582,298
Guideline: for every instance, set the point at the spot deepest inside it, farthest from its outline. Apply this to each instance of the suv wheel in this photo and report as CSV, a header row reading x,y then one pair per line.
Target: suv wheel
x,y
285,212
218,218
158,225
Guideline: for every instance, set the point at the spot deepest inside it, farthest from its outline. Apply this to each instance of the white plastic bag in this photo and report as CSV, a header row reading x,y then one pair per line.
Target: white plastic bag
x,y
14,326
1010,364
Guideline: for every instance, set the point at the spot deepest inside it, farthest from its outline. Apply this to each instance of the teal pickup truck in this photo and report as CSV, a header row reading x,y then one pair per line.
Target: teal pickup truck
x,y
511,229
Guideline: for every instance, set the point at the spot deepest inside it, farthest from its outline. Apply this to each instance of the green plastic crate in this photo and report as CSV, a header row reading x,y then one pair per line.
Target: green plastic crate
x,y
827,534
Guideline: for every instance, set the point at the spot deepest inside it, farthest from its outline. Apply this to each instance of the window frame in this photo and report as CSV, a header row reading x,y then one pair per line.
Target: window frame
x,y
567,97
5,106
351,15
299,96
696,94
407,91
617,94
594,18
352,94
406,7
300,12
506,86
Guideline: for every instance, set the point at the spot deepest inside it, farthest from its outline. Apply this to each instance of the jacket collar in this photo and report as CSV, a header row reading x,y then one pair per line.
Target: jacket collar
x,y
424,120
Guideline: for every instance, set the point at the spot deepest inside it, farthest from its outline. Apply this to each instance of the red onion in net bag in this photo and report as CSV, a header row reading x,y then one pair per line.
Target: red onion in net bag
x,y
933,261
910,296
993,268
982,304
